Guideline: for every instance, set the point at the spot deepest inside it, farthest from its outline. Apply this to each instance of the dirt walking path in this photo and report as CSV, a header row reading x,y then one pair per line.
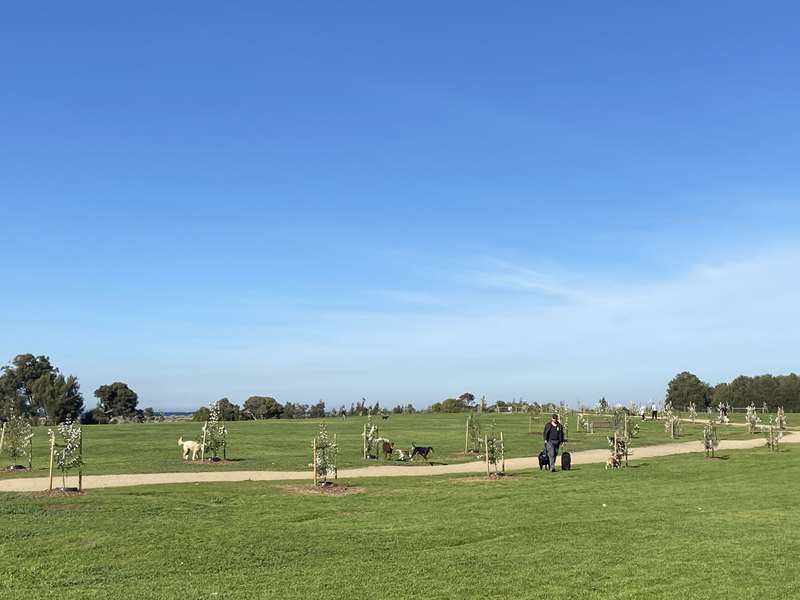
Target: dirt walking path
x,y
584,457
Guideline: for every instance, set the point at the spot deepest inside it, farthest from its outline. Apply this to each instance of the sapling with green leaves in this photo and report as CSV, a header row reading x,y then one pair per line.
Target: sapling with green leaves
x,y
473,440
672,422
583,424
215,433
780,419
774,435
494,451
68,450
325,452
752,419
371,434
710,439
17,439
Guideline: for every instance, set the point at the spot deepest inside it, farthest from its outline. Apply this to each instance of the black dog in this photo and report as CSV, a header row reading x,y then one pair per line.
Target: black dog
x,y
423,451
544,461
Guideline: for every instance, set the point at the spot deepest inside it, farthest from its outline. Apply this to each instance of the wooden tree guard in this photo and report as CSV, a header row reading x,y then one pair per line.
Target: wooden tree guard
x,y
314,460
364,442
336,470
486,453
502,454
80,467
203,447
466,437
52,451
2,437
30,453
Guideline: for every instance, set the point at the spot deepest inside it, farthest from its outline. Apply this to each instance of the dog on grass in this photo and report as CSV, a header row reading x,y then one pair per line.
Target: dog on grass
x,y
612,462
544,460
388,448
423,451
189,446
404,454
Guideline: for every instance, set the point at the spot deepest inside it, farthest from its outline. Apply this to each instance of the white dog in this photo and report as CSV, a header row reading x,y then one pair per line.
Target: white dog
x,y
189,446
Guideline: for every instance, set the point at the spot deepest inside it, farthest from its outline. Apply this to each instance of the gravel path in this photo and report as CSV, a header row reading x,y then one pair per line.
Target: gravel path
x,y
584,457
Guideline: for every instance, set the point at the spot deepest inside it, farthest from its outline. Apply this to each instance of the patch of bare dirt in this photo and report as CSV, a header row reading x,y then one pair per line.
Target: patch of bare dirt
x,y
329,489
491,477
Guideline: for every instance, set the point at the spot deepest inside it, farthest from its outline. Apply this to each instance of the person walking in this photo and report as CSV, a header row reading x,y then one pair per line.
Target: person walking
x,y
553,438
642,411
654,410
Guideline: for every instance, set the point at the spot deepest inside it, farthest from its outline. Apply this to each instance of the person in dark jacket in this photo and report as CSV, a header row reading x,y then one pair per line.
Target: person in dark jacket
x,y
553,438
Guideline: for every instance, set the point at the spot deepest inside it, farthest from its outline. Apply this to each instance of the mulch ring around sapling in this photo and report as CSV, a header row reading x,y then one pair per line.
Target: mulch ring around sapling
x,y
58,493
323,489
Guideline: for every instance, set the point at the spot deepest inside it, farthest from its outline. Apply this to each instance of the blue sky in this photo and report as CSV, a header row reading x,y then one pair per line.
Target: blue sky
x,y
319,200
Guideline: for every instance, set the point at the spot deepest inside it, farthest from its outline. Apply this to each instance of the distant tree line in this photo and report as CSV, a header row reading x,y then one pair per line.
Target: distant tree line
x,y
467,402
772,390
267,407
31,387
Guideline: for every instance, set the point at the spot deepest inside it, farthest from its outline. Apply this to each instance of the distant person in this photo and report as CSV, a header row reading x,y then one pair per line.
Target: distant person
x,y
642,411
553,438
654,411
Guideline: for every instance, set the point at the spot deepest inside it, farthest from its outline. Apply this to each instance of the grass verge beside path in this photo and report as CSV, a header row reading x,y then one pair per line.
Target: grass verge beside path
x,y
285,445
669,528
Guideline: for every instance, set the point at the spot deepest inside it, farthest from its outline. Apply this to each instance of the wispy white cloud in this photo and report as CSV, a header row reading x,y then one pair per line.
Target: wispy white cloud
x,y
614,338
595,336
505,276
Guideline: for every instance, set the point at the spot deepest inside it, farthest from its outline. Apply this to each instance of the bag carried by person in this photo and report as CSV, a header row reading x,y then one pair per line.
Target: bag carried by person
x,y
566,461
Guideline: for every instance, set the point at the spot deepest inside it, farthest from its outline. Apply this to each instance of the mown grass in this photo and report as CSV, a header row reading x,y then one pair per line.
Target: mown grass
x,y
286,444
682,527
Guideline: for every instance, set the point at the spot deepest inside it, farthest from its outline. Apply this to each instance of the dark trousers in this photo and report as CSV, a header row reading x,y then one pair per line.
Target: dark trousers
x,y
655,414
552,452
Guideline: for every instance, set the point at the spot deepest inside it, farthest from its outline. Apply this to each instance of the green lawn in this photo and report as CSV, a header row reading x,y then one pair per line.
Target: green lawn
x,y
286,444
684,527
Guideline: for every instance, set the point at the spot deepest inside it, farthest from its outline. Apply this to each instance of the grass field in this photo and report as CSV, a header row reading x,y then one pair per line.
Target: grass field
x,y
683,527
285,444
